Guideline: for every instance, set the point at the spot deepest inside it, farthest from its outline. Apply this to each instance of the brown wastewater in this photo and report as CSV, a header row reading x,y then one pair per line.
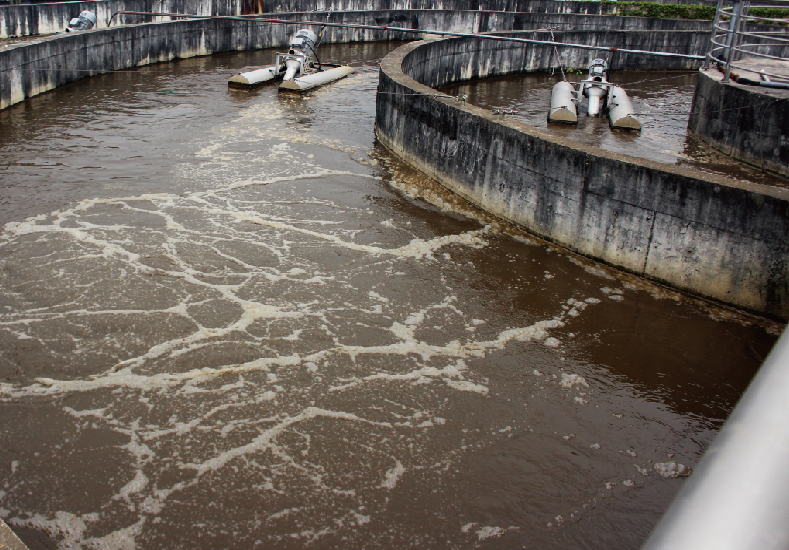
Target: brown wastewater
x,y
233,320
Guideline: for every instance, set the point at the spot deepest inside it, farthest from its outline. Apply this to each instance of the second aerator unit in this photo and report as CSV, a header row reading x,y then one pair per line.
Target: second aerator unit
x,y
601,94
300,69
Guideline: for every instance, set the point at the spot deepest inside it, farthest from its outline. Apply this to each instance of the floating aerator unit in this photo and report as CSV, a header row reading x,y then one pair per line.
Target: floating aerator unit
x,y
602,96
300,69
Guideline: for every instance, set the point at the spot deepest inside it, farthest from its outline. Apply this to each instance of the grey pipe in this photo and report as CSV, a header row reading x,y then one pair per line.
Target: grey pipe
x,y
738,497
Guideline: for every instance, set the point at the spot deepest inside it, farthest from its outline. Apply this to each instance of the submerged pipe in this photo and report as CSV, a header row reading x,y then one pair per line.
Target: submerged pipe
x,y
414,31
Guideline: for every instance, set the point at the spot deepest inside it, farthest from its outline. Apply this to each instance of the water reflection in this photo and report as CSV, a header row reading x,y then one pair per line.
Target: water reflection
x,y
221,326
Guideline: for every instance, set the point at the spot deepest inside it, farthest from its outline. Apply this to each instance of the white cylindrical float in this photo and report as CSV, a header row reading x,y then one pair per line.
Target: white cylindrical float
x,y
252,78
562,105
317,78
620,110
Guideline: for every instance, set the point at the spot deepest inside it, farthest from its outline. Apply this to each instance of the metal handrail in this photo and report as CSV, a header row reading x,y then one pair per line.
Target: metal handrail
x,y
730,41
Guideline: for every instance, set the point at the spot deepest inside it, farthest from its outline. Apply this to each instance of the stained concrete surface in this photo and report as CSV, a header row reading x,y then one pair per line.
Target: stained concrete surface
x,y
746,122
8,540
702,233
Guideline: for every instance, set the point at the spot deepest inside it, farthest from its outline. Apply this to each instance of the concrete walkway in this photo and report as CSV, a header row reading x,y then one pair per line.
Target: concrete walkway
x,y
753,66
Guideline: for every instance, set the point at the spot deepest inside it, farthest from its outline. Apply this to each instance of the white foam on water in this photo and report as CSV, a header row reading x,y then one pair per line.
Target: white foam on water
x,y
552,342
672,469
67,527
250,417
267,439
488,532
121,539
573,380
126,379
591,268
393,475
137,484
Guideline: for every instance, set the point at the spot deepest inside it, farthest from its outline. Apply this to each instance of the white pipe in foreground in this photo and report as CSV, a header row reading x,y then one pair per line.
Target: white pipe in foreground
x,y
317,78
738,497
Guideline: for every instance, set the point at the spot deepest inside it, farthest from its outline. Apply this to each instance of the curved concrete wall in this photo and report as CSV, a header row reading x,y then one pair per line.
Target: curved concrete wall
x,y
34,19
31,68
749,123
643,217
34,67
704,234
491,21
535,6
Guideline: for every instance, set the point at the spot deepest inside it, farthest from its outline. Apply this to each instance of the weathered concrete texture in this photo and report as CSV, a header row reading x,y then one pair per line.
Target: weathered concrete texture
x,y
472,58
8,540
31,19
534,6
704,234
491,21
750,123
35,67
31,68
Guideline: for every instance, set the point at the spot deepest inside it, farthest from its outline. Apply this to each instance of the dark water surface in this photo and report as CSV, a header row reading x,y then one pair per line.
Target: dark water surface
x,y
232,320
662,101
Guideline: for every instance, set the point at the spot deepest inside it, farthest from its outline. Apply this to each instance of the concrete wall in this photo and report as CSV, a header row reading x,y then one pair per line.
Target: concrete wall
x,y
534,6
34,67
486,21
700,233
32,19
749,123
31,68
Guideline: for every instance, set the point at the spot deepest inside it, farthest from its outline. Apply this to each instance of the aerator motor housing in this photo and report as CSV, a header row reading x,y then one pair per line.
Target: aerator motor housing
x,y
85,21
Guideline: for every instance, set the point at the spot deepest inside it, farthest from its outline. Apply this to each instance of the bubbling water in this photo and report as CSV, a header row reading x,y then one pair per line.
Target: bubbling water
x,y
270,332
